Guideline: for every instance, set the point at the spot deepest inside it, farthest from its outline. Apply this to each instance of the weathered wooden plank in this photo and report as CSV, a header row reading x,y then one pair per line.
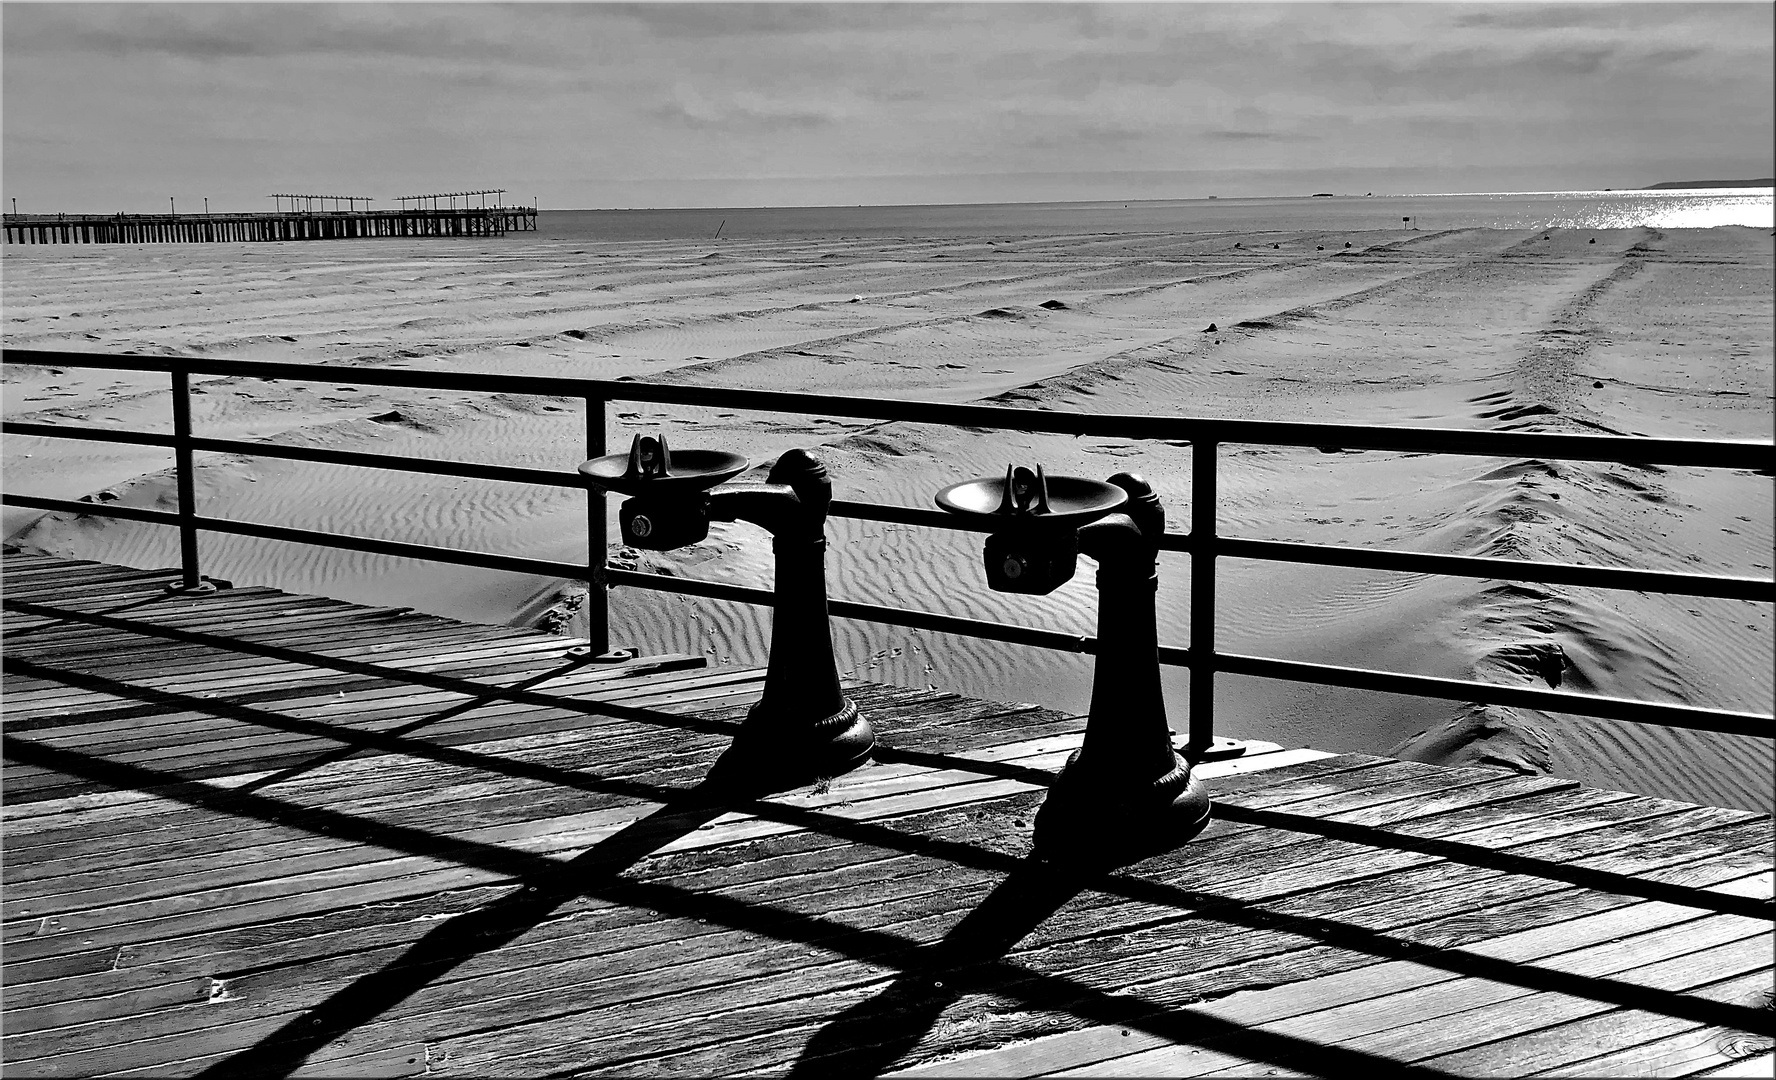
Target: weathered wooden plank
x,y
1455,1011
730,864
321,633
790,865
541,653
424,766
174,620
425,785
165,716
216,669
297,647
1619,1032
1695,1049
493,798
1279,995
938,901
461,746
517,846
239,746
1162,952
1762,1065
189,709
730,1002
536,745
1191,972
612,744
1451,1046
50,580
614,945
304,742
469,864
165,705
191,624
126,603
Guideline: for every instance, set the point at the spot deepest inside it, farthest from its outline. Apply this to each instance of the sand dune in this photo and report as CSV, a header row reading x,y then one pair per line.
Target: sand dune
x,y
1641,332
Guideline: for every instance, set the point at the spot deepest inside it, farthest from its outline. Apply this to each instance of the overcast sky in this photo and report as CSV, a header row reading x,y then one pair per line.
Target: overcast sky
x,y
117,107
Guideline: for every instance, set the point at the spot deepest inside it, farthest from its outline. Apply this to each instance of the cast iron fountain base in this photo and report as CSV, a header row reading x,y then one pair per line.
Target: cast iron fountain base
x,y
803,728
1126,793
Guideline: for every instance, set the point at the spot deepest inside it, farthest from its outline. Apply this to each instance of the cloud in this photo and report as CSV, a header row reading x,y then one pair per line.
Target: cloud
x,y
745,110
1234,135
219,32
736,20
412,92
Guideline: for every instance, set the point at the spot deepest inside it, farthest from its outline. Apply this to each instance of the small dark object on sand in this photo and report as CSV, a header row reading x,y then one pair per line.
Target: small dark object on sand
x,y
1320,247
1593,240
1347,243
1597,386
1236,245
1209,329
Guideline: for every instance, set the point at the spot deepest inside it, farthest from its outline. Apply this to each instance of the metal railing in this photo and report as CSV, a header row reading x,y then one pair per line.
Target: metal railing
x,y
1203,542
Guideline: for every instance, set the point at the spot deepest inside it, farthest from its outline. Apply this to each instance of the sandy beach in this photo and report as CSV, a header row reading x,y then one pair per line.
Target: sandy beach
x,y
1631,331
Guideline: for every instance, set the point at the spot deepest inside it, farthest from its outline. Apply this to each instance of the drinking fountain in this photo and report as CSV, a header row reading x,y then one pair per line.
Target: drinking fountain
x,y
1125,793
803,727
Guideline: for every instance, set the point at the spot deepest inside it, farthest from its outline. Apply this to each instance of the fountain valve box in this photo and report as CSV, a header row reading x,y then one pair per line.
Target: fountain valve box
x,y
668,504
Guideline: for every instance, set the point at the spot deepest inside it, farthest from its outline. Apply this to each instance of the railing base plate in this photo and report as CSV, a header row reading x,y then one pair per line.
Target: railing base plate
x,y
615,656
1218,750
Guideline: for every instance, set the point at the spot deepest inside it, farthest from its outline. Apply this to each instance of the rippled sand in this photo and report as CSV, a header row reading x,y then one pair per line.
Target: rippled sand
x,y
1641,332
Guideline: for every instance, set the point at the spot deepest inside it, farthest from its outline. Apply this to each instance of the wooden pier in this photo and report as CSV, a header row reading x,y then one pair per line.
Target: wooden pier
x,y
248,228
258,834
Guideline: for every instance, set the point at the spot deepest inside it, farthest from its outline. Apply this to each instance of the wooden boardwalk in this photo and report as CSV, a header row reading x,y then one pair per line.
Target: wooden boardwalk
x,y
254,834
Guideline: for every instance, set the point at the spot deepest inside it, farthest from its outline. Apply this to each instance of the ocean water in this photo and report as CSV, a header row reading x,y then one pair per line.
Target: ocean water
x,y
1664,209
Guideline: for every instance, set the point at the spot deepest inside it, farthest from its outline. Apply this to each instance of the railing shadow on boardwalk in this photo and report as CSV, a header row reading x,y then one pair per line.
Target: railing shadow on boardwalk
x,y
870,1036
480,692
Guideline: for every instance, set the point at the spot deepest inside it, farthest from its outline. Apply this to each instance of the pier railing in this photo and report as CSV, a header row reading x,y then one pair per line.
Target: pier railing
x,y
1203,542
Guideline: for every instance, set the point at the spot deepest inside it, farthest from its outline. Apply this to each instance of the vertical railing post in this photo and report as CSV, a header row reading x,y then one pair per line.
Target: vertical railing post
x,y
187,483
597,595
1202,598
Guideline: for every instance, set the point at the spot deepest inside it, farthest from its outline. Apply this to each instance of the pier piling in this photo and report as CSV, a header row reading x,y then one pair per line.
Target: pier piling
x,y
285,225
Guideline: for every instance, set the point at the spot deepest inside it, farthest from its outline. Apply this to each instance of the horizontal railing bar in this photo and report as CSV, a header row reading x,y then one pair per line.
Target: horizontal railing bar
x,y
370,545
712,590
1710,453
1609,708
465,469
978,628
847,609
906,515
938,519
1603,577
88,434
1729,722
73,506
1752,455
1720,586
397,549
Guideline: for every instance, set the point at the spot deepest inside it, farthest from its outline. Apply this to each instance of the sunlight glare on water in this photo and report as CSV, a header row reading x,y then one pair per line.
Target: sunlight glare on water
x,y
1671,210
